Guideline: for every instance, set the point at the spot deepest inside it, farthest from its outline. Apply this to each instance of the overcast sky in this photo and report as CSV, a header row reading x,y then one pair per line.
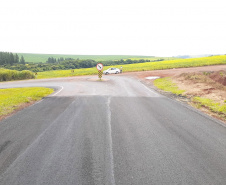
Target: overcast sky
x,y
114,27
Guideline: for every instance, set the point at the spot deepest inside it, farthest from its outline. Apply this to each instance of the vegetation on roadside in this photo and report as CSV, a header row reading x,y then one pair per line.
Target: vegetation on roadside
x,y
13,98
8,75
166,84
218,108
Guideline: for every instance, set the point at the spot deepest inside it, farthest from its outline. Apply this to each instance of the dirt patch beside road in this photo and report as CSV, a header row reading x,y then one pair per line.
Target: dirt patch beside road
x,y
202,84
219,77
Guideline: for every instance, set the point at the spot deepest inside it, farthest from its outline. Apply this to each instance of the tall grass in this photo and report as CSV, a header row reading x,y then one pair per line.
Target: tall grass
x,y
8,75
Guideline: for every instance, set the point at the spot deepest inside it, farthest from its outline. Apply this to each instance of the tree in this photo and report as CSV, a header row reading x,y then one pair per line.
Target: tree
x,y
16,58
51,60
22,61
11,59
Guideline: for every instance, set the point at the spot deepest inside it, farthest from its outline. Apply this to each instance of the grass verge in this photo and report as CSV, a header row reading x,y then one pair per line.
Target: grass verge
x,y
218,108
14,98
166,84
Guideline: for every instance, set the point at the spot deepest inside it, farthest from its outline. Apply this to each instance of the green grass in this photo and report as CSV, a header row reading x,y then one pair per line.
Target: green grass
x,y
211,105
66,73
166,84
36,58
11,99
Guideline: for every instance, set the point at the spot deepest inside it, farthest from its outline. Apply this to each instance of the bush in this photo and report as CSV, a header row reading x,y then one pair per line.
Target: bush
x,y
9,75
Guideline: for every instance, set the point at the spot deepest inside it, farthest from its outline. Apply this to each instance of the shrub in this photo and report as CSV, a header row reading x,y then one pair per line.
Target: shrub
x,y
9,75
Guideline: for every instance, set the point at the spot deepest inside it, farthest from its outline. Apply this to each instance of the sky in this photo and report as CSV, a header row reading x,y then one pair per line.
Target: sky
x,y
114,27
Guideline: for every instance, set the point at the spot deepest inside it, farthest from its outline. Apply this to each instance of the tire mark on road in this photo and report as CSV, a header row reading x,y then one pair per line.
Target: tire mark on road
x,y
4,146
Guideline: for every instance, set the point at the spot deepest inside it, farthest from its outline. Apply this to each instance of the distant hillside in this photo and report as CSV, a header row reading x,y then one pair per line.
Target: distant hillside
x,y
36,58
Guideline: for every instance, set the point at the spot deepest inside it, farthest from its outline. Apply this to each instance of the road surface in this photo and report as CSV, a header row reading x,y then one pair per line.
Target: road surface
x,y
115,132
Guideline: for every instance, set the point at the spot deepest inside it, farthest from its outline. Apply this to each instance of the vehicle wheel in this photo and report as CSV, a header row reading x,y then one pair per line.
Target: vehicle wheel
x,y
116,72
106,73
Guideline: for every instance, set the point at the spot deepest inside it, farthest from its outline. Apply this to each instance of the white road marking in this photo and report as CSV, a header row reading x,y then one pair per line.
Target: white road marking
x,y
112,178
58,91
155,93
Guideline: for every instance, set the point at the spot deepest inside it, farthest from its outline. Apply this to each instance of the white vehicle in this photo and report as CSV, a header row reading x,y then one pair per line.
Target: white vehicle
x,y
111,71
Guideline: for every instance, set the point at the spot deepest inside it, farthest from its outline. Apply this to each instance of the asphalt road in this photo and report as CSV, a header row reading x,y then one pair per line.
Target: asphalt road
x,y
115,132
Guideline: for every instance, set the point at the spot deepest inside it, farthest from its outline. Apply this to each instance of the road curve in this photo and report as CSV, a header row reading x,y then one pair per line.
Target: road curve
x,y
114,132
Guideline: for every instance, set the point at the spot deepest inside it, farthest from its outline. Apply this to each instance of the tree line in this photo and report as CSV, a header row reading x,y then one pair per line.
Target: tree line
x,y
52,60
7,58
12,61
52,65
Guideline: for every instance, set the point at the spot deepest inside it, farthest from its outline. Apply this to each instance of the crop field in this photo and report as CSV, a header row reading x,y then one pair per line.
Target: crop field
x,y
180,63
153,58
148,66
36,58
11,99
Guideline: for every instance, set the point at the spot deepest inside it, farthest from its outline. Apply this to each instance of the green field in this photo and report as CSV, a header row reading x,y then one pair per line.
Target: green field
x,y
13,98
148,66
36,58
